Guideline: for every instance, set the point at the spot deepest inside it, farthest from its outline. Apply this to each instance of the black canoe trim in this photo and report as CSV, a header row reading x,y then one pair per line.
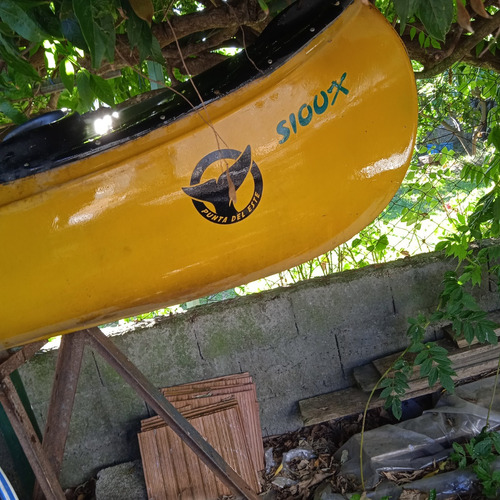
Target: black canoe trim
x,y
45,143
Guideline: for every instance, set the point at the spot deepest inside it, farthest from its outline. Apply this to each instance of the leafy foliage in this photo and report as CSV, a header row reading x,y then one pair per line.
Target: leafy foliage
x,y
44,46
479,453
394,387
435,16
456,305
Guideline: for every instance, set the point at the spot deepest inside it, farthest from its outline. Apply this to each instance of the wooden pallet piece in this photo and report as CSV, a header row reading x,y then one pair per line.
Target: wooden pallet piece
x,y
367,376
349,401
460,357
341,404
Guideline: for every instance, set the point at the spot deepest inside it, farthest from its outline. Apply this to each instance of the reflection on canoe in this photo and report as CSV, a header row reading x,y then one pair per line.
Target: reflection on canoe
x,y
298,148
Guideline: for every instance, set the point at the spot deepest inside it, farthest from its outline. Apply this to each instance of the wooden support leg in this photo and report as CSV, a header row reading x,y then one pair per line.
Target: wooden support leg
x,y
69,362
14,361
149,393
29,441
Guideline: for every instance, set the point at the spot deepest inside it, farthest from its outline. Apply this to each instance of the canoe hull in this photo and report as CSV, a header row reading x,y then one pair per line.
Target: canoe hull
x,y
330,134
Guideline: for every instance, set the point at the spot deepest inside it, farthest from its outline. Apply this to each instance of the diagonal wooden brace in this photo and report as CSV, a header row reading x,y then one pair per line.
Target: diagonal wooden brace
x,y
30,443
14,361
149,393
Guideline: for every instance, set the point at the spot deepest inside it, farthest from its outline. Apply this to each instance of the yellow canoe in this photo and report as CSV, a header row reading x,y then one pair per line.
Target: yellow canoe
x,y
292,154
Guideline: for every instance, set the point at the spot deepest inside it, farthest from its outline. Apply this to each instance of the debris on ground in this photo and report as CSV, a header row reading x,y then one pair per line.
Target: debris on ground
x,y
310,463
85,491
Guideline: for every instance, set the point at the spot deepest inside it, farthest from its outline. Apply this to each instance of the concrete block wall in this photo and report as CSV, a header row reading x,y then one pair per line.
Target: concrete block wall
x,y
296,342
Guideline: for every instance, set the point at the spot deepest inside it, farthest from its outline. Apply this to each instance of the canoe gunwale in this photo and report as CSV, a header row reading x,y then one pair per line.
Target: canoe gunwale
x,y
73,138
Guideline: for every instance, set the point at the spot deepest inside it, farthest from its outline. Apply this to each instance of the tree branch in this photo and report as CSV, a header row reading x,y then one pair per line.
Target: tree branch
x,y
459,47
228,18
192,49
197,65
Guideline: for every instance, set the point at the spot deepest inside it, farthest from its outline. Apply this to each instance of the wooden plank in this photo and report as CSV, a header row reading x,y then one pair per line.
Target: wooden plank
x,y
342,403
150,447
246,396
190,413
353,400
30,443
67,372
367,376
14,361
174,419
209,384
198,393
459,357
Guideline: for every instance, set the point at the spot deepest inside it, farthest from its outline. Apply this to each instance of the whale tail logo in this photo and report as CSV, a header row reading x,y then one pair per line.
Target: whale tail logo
x,y
215,198
221,192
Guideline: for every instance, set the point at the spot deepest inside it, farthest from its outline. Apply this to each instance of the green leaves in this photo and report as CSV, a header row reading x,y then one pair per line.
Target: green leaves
x,y
485,220
479,454
84,90
18,17
435,365
11,55
11,112
394,388
416,331
405,9
436,16
494,137
474,324
156,75
91,87
69,25
67,73
102,89
141,37
98,28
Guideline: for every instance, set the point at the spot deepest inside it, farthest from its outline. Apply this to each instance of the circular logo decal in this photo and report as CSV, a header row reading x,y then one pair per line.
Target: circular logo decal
x,y
214,198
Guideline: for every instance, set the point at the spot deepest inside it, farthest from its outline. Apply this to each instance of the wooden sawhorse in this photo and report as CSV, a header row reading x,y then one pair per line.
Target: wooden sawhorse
x,y
46,458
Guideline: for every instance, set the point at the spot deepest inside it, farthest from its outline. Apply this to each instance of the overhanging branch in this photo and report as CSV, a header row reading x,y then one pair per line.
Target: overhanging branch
x,y
460,47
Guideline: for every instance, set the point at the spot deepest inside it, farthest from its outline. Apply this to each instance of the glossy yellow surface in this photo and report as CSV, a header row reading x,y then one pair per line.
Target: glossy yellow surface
x,y
115,234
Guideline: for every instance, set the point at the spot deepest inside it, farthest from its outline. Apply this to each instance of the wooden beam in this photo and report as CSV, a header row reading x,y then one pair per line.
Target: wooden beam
x,y
30,443
14,361
69,362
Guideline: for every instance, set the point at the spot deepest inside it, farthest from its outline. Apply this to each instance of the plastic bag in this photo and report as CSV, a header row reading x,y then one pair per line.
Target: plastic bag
x,y
417,443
